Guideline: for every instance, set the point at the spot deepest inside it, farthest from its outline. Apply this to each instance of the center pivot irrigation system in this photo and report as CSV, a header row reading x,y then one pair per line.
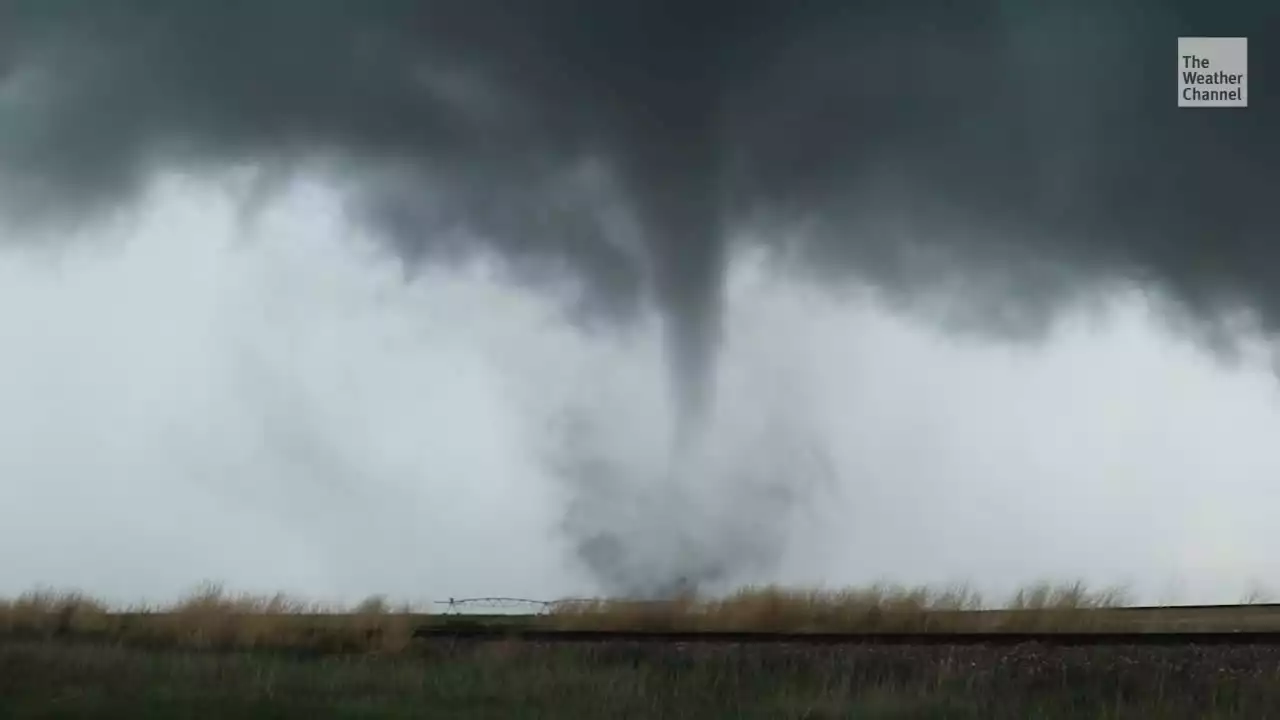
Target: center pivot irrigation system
x,y
464,606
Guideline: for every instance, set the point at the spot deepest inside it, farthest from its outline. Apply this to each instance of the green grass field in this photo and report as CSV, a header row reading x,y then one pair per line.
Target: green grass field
x,y
61,679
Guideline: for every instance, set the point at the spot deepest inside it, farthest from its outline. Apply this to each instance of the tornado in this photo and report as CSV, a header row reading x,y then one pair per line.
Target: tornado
x,y
987,160
676,191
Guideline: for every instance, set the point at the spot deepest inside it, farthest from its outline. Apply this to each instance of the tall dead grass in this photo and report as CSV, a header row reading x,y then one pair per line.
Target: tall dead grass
x,y
878,608
211,617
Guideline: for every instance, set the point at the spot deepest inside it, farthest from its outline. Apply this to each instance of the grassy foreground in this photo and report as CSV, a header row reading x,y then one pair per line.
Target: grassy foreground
x,y
218,655
209,617
57,679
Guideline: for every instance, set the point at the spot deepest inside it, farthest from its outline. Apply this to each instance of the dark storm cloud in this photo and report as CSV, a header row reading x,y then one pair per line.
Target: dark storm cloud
x,y
1011,154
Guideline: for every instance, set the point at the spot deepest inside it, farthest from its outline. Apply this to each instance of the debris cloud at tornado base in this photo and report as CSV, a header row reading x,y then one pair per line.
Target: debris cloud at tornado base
x,y
985,164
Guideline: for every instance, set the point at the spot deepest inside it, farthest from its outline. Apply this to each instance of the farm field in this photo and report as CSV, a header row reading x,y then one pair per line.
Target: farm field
x,y
210,617
49,679
218,655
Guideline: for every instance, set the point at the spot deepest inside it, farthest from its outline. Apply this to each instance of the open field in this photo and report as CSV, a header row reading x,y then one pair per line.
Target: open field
x,y
214,654
212,618
48,679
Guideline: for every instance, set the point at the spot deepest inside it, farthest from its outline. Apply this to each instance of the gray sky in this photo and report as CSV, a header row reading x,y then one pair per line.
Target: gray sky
x,y
1019,155
273,406
989,166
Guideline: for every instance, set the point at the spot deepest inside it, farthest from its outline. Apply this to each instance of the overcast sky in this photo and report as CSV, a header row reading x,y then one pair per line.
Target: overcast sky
x,y
266,402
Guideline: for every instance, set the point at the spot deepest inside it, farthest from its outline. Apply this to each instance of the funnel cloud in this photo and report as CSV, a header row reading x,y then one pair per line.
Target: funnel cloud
x,y
985,163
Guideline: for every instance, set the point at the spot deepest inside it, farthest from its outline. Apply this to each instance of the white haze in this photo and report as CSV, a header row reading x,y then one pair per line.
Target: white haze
x,y
188,398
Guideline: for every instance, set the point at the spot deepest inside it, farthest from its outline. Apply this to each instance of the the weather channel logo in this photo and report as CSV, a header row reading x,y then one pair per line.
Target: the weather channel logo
x,y
1213,72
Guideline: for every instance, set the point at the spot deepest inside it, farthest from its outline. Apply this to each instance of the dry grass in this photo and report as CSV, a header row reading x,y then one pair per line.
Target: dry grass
x,y
61,611
210,617
137,661
879,608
